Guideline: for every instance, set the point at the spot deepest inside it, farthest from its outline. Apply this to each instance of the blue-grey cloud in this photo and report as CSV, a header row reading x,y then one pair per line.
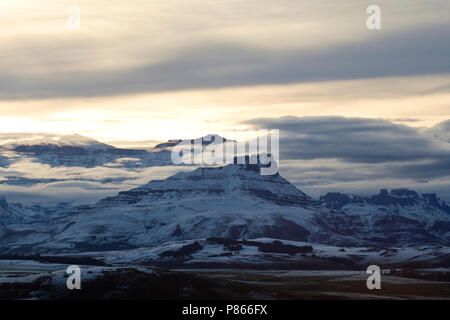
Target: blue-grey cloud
x,y
361,140
432,169
441,131
360,154
408,53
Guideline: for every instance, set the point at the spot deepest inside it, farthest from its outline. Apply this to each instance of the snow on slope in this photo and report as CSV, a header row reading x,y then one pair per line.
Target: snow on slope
x,y
399,216
223,182
236,202
76,150
232,201
208,251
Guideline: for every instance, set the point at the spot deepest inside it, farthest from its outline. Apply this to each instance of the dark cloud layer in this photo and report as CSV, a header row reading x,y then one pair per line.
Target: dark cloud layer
x,y
382,54
361,155
393,150
352,139
441,131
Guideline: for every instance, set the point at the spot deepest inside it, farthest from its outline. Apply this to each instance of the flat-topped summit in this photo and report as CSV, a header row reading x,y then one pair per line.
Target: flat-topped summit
x,y
227,181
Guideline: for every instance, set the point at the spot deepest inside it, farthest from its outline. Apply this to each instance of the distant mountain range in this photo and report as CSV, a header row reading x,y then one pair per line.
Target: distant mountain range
x,y
80,151
221,215
76,150
230,202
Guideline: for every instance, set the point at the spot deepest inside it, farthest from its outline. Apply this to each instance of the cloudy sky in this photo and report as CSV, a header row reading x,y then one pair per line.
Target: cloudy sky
x,y
354,106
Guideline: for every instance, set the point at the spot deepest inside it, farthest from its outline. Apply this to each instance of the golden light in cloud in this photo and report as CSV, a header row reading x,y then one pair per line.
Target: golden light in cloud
x,y
189,114
128,37
115,34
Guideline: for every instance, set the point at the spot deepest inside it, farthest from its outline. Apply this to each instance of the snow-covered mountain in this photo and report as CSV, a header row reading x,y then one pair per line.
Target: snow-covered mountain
x,y
79,151
70,150
234,202
394,201
216,184
400,216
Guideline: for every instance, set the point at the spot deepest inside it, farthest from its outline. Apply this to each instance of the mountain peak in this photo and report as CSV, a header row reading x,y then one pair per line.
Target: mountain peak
x,y
227,182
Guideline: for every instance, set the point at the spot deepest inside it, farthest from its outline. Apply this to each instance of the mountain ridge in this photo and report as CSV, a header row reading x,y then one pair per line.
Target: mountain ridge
x,y
78,150
235,202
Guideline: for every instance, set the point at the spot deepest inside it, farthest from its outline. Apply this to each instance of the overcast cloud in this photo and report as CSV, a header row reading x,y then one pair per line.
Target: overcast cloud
x,y
138,47
219,64
322,154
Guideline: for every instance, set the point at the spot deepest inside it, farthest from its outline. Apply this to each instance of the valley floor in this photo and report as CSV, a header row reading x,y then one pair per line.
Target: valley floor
x,y
20,279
